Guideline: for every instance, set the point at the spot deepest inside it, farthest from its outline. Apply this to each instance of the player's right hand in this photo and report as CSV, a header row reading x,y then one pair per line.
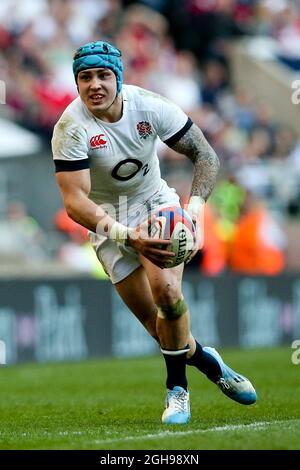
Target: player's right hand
x,y
153,249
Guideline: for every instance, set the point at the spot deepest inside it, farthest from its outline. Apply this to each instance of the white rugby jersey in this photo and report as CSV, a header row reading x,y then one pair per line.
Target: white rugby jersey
x,y
121,155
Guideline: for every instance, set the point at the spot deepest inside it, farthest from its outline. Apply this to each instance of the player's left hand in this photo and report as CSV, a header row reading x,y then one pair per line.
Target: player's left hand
x,y
198,240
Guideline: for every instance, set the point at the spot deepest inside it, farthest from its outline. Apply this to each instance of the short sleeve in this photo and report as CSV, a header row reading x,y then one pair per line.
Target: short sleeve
x,y
69,146
173,123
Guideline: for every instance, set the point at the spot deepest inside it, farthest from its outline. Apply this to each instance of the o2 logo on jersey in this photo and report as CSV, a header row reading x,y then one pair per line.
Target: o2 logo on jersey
x,y
97,141
144,129
128,168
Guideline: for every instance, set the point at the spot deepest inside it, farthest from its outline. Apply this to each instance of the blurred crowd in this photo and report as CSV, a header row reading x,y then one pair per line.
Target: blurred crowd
x,y
180,49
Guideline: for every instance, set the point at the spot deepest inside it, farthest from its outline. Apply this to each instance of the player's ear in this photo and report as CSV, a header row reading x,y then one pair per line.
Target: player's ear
x,y
76,81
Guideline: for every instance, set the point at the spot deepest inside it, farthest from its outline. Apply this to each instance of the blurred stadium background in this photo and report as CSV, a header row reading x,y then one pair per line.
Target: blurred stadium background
x,y
233,66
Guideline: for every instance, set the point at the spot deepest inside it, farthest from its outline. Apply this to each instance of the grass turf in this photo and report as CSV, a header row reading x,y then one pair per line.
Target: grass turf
x,y
117,404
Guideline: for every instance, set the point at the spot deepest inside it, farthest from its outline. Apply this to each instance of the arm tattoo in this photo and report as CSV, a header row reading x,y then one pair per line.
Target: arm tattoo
x,y
206,163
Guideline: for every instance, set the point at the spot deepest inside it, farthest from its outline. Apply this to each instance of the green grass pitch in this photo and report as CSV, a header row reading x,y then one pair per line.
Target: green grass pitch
x,y
117,404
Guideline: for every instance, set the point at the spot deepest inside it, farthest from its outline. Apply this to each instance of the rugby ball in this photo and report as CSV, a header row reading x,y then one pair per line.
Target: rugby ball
x,y
174,224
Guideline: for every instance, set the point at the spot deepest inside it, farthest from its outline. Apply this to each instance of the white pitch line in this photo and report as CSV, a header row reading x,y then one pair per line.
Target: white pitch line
x,y
230,427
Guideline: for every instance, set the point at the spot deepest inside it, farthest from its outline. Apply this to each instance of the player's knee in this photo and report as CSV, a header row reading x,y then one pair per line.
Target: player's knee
x,y
172,311
167,293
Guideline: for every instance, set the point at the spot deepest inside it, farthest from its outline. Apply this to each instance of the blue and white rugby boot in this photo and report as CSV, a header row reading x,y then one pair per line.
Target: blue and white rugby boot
x,y
177,407
234,385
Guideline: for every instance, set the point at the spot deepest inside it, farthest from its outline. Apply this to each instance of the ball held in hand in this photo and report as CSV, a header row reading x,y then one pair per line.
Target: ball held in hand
x,y
174,223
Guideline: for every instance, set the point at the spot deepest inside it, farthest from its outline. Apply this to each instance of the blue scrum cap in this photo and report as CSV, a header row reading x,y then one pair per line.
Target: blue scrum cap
x,y
99,54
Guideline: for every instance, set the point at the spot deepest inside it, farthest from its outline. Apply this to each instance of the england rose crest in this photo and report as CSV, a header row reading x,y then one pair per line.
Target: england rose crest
x,y
144,129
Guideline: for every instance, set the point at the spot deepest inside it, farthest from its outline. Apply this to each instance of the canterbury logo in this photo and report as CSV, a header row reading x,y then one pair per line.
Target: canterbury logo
x,y
97,141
